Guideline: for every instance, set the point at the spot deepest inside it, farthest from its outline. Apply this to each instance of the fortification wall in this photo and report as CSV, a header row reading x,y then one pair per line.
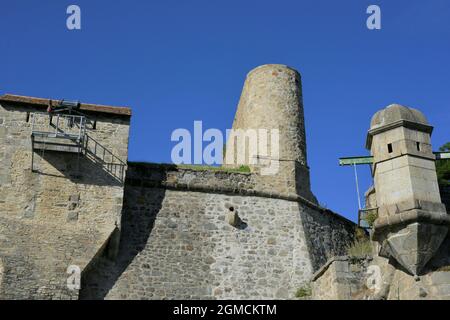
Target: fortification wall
x,y
64,213
348,278
177,241
345,278
341,278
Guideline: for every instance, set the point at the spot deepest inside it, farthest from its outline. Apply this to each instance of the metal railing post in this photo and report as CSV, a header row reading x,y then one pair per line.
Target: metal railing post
x,y
57,125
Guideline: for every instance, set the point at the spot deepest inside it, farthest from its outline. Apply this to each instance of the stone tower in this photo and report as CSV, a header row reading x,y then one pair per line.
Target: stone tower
x,y
60,205
412,222
271,103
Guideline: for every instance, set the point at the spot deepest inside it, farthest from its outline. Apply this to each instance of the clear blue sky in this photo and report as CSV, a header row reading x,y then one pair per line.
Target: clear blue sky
x,y
175,62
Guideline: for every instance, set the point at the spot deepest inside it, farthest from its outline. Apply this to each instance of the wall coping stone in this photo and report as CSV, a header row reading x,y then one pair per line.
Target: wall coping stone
x,y
148,179
330,261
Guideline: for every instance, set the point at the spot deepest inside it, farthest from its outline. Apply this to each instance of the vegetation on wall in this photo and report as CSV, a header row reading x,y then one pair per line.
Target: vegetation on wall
x,y
360,234
360,248
370,217
194,167
240,169
443,167
303,292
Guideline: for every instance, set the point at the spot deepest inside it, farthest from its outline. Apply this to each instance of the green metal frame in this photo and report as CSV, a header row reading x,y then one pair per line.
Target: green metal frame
x,y
354,161
350,161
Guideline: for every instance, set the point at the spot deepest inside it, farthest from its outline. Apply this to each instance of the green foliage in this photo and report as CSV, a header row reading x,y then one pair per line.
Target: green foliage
x,y
443,167
241,169
360,234
360,249
303,292
170,166
445,147
370,217
244,169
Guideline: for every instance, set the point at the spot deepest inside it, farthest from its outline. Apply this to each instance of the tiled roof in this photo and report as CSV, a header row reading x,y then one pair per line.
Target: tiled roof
x,y
40,102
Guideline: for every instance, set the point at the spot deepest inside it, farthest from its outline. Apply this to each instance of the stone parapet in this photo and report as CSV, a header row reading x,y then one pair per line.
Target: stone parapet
x,y
153,175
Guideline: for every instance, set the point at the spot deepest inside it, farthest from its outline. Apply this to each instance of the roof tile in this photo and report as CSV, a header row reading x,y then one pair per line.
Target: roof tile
x,y
41,102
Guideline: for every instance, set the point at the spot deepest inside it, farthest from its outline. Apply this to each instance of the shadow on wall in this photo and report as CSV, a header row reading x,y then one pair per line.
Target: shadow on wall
x,y
445,196
98,166
326,235
441,260
109,162
141,206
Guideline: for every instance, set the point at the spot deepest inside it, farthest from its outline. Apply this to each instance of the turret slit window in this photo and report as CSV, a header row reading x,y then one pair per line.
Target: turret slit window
x,y
418,146
390,147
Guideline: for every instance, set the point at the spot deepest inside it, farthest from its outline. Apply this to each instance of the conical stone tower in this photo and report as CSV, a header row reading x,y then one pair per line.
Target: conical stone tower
x,y
269,131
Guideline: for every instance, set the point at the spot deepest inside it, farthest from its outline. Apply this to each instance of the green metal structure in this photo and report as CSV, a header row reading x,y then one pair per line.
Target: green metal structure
x,y
354,161
349,161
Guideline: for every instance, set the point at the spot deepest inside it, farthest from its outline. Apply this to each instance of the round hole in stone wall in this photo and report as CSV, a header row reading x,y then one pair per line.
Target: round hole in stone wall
x,y
231,209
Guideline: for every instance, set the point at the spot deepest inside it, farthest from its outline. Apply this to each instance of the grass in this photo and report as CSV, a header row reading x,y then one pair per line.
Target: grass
x,y
241,169
360,234
303,292
360,249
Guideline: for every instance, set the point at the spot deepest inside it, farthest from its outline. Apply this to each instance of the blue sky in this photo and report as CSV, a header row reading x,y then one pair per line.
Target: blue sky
x,y
175,62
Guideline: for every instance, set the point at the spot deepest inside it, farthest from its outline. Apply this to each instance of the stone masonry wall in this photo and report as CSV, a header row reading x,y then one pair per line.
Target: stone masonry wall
x,y
64,213
345,278
341,278
177,242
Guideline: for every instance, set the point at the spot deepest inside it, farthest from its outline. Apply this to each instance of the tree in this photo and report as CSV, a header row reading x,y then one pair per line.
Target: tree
x,y
443,167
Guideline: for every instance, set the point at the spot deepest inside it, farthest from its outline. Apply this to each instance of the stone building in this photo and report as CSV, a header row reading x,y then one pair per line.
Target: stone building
x,y
410,241
412,222
57,209
155,231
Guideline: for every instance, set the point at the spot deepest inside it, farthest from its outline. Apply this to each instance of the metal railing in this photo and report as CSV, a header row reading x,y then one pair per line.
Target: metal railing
x,y
111,163
58,126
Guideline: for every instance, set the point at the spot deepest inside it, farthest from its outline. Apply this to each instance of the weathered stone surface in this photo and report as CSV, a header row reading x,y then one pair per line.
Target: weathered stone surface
x,y
174,237
414,245
57,216
272,99
412,222
1,273
341,278
411,231
178,244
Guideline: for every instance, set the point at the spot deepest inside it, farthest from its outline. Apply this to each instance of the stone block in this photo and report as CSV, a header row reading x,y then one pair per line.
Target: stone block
x,y
440,278
72,216
443,290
